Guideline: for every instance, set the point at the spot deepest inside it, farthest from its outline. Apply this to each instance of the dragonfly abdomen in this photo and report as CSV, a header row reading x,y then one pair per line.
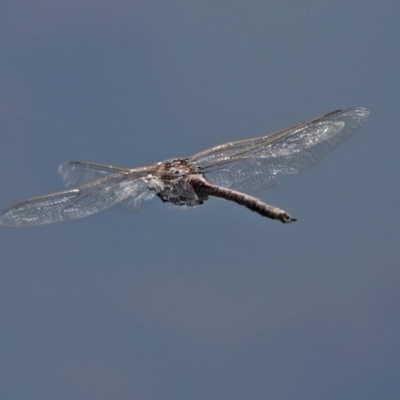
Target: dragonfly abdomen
x,y
201,186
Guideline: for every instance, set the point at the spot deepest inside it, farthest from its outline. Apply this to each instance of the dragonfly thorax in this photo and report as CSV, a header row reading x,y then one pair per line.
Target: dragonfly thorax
x,y
177,168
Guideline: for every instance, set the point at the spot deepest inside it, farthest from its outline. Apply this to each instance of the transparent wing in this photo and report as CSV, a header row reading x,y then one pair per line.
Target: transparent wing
x,y
252,164
76,173
76,203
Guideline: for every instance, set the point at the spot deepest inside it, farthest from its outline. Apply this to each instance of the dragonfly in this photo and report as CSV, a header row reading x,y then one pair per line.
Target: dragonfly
x,y
227,171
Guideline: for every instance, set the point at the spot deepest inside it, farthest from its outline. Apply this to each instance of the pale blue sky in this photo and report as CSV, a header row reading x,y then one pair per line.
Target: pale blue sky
x,y
217,302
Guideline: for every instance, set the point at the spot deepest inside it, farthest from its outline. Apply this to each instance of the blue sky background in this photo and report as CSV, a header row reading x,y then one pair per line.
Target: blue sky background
x,y
217,302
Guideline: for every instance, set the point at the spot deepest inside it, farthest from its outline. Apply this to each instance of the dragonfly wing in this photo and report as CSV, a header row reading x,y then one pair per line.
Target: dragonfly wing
x,y
253,164
76,173
133,201
76,203
246,175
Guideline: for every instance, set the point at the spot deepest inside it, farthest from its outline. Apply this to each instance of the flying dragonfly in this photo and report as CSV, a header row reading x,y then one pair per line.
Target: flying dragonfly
x,y
224,171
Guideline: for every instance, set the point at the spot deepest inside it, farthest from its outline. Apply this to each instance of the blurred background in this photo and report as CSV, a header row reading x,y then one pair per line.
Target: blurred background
x,y
216,302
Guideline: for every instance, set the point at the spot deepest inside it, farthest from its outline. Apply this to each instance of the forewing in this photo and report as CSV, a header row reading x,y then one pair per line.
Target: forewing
x,y
76,173
76,203
253,164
